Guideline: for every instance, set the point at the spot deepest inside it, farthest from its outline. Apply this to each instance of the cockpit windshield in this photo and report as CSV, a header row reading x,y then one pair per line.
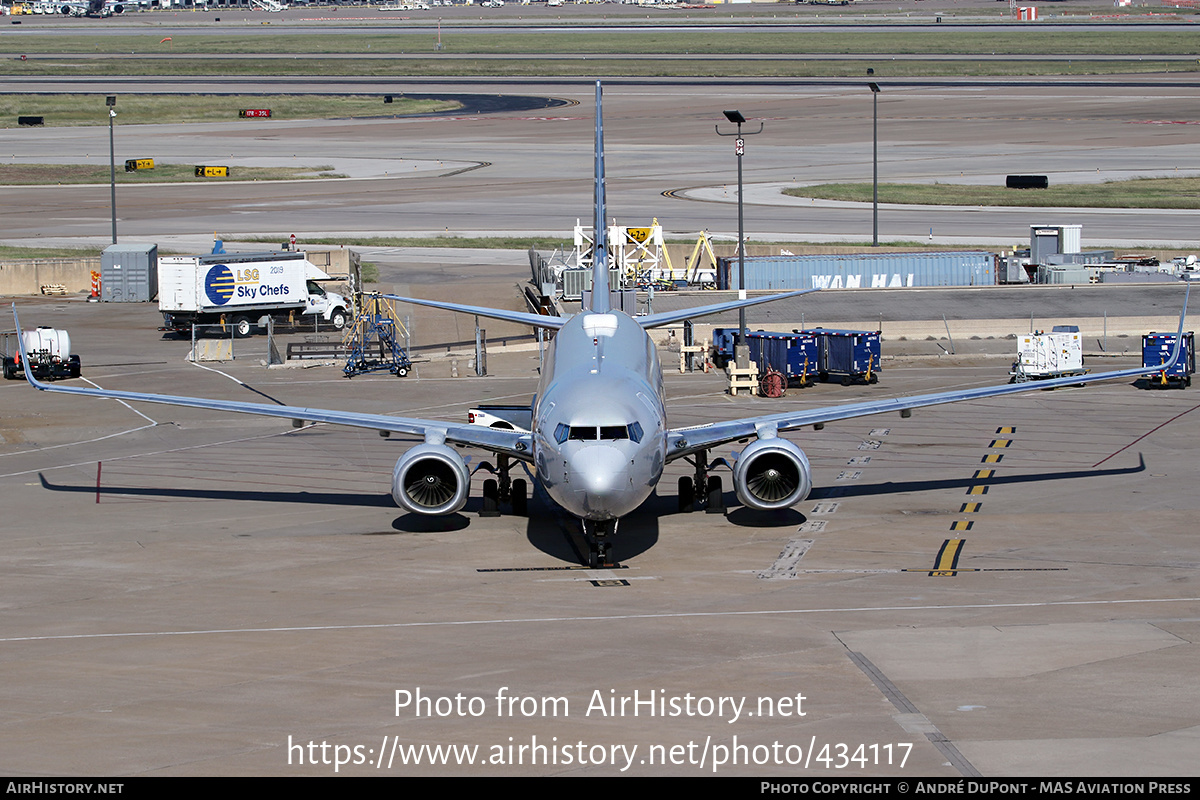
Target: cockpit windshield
x,y
591,433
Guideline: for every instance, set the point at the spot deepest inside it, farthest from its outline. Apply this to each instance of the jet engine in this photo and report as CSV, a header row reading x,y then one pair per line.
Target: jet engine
x,y
431,479
772,473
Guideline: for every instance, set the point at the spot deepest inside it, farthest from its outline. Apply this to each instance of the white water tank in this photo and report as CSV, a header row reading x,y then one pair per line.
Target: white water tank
x,y
55,342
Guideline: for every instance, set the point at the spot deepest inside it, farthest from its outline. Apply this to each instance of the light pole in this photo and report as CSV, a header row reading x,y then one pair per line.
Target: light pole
x,y
739,148
874,164
110,101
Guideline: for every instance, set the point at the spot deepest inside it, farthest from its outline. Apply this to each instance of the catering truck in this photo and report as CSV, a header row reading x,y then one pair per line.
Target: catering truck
x,y
242,290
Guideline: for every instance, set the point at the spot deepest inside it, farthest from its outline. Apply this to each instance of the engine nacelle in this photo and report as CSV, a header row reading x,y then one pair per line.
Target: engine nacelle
x,y
431,479
772,473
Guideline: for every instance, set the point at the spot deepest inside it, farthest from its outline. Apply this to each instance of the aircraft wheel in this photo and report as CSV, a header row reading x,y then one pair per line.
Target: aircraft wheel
x,y
491,499
520,498
687,495
714,497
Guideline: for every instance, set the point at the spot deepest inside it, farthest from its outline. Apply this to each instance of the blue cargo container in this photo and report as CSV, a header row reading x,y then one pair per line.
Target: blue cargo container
x,y
1156,350
723,342
793,354
861,271
850,355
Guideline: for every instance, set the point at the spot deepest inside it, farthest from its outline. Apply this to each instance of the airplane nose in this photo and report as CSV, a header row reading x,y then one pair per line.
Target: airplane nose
x,y
601,474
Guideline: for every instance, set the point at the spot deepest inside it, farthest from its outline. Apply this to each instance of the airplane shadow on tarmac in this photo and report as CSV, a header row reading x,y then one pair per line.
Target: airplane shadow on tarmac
x,y
302,496
899,487
558,535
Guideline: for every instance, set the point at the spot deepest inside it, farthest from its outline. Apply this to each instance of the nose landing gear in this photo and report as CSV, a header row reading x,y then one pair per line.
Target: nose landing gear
x,y
599,548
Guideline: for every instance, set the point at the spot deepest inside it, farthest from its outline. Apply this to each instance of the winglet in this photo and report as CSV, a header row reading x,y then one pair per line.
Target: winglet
x,y
600,288
1178,336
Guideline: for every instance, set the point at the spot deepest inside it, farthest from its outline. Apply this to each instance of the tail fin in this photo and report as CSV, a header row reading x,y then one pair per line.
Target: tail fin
x,y
600,288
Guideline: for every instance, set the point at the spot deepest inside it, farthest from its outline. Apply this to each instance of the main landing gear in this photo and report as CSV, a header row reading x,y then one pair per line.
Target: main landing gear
x,y
504,489
702,489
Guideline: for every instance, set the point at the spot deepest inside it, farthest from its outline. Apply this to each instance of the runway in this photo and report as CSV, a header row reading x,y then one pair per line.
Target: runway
x,y
534,167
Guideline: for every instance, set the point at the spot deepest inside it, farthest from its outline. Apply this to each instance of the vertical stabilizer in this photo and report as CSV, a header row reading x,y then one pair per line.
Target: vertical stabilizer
x,y
600,289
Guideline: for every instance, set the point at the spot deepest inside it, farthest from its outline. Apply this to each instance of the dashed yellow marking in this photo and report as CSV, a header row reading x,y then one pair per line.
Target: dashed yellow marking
x,y
961,525
970,508
992,458
983,473
1000,443
946,563
1009,429
977,490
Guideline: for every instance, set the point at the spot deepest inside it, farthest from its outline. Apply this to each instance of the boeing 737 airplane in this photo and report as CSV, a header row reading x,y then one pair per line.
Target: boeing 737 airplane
x,y
600,460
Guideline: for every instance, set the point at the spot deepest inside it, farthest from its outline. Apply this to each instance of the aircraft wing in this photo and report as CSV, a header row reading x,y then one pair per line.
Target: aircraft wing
x,y
523,317
514,443
667,317
685,441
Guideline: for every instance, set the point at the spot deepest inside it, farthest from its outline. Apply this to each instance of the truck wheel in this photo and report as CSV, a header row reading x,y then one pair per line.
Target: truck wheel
x,y
242,327
76,367
338,318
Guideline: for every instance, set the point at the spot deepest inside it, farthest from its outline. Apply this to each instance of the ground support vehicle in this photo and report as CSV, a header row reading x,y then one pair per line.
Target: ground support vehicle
x,y
847,355
244,290
49,352
373,342
792,355
1058,354
1156,350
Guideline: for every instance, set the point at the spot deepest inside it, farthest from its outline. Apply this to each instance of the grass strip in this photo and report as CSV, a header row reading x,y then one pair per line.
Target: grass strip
x,y
1136,193
60,110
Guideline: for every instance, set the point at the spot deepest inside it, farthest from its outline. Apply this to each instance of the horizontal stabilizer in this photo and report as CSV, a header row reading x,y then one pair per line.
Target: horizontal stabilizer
x,y
522,317
667,317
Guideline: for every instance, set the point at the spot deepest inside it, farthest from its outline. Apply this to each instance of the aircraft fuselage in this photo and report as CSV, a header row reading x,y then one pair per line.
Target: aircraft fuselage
x,y
599,418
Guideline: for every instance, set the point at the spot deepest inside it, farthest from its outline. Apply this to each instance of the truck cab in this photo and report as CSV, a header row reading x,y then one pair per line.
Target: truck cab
x,y
330,305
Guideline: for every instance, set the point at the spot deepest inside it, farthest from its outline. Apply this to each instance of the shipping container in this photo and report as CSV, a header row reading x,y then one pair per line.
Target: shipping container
x,y
129,273
861,271
850,355
1156,350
